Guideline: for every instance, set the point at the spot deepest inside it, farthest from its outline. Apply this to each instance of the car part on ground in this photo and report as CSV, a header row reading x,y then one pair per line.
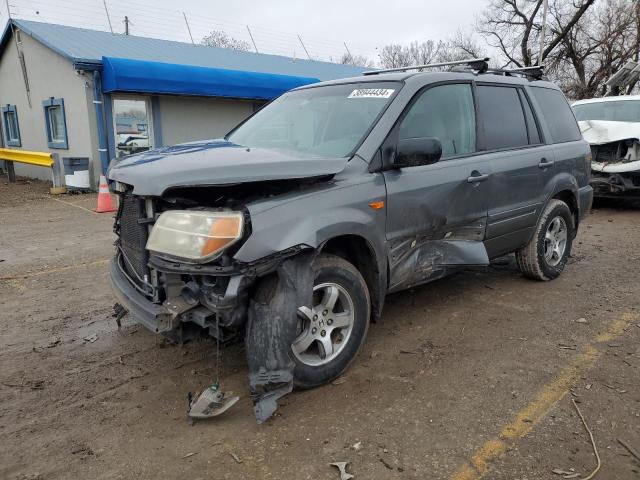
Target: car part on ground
x,y
211,402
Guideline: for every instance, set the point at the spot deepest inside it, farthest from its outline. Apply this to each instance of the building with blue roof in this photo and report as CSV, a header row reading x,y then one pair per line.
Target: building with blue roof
x,y
88,94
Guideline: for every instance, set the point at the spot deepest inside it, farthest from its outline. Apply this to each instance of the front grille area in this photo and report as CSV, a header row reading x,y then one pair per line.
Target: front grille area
x,y
133,238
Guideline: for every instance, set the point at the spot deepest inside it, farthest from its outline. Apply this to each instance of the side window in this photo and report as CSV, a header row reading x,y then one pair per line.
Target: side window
x,y
55,123
532,128
445,112
501,117
11,126
557,114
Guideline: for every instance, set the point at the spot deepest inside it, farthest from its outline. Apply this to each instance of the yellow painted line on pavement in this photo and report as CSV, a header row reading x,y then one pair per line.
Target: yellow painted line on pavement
x,y
544,402
74,205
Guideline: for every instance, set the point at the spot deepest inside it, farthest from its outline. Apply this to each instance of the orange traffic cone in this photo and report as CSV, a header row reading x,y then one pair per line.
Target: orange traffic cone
x,y
104,198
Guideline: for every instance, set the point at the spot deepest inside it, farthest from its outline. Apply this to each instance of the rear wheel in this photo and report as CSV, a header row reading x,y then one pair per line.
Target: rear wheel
x,y
332,329
546,254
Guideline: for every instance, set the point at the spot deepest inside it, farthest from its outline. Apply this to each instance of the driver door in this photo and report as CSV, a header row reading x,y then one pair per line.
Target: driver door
x,y
436,214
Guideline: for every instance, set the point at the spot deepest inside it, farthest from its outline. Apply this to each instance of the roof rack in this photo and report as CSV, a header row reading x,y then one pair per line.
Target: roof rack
x,y
479,64
536,72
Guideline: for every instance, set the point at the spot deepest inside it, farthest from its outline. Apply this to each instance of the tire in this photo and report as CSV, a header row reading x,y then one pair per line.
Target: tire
x,y
311,369
531,258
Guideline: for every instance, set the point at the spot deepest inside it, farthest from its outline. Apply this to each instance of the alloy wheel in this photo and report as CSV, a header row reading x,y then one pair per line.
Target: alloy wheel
x,y
324,328
555,241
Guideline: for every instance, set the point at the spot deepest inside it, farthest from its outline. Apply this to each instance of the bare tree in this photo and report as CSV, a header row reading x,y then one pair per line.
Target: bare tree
x,y
422,53
221,39
459,47
603,41
356,60
514,27
416,53
586,41
394,56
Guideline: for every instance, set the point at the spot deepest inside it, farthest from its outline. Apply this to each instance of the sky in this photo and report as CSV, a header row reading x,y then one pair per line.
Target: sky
x,y
323,26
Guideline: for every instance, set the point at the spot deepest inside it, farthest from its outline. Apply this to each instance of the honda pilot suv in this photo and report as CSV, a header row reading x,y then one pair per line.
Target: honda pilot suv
x,y
292,229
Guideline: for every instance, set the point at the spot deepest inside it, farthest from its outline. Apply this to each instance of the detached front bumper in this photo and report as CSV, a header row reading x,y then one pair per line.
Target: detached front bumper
x,y
213,297
157,318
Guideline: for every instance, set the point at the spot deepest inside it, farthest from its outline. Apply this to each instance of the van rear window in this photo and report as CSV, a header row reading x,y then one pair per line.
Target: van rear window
x,y
557,114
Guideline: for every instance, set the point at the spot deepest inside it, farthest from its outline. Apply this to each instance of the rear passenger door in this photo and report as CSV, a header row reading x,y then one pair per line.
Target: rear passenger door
x,y
509,132
563,132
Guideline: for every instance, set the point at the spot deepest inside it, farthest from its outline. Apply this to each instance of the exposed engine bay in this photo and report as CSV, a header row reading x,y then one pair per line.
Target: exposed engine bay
x,y
615,150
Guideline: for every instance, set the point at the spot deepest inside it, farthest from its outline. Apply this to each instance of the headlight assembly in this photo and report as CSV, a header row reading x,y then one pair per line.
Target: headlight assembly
x,y
195,235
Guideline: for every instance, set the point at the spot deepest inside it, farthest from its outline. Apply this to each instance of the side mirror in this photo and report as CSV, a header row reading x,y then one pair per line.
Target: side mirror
x,y
413,152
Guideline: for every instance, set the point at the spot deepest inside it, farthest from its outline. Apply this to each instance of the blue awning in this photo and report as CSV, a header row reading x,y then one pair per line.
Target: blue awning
x,y
138,76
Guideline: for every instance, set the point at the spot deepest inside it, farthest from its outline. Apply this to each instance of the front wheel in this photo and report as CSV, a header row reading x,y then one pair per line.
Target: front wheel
x,y
546,254
332,329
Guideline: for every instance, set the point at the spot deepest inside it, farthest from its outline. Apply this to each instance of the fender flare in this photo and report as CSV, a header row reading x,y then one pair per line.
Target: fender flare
x,y
561,182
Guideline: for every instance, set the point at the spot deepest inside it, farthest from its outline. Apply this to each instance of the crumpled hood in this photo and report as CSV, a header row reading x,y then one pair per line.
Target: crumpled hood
x,y
215,162
598,132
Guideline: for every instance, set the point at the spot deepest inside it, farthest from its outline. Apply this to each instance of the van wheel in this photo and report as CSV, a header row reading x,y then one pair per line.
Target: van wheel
x,y
546,254
332,329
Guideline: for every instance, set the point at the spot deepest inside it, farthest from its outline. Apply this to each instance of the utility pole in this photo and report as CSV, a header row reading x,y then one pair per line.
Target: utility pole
x,y
104,2
305,48
126,25
23,65
348,51
188,27
252,40
545,10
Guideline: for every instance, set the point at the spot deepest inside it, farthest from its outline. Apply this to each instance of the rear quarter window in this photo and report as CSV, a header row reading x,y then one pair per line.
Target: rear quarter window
x,y
557,113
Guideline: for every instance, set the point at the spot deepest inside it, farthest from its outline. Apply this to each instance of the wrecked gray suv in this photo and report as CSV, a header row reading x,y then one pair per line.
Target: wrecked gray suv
x,y
291,230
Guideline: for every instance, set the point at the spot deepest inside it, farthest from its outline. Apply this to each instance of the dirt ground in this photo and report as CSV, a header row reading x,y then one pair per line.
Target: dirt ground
x,y
469,377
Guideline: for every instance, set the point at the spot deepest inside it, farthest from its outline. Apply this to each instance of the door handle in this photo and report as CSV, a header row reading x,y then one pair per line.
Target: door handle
x,y
544,163
477,177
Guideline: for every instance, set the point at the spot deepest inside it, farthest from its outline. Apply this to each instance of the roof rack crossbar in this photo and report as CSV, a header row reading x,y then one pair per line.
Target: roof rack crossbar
x,y
479,64
537,71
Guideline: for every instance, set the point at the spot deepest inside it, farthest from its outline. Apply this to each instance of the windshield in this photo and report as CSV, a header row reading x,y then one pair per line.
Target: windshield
x,y
614,111
328,121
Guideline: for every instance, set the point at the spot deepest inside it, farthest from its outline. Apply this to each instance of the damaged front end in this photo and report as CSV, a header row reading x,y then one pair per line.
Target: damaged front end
x,y
615,150
186,299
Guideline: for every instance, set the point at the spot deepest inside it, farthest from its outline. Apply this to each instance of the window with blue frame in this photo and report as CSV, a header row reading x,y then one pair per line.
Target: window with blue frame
x,y
11,126
55,123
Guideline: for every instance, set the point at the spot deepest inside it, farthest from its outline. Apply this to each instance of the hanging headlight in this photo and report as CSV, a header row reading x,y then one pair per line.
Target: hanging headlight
x,y
195,235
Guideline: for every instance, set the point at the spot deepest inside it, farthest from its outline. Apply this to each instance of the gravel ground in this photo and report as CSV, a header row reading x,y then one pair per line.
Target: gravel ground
x,y
469,376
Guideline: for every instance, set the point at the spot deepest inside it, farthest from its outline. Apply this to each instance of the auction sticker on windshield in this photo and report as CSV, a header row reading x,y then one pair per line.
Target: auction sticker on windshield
x,y
371,93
